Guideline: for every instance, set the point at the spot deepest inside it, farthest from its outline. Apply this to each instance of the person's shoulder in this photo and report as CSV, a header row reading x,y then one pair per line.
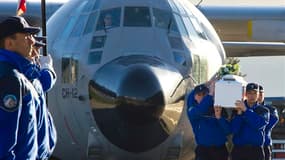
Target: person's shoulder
x,y
9,71
271,108
11,78
9,75
261,109
6,68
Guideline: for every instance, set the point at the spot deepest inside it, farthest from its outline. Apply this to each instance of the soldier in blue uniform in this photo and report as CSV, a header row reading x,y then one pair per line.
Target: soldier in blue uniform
x,y
43,77
248,126
209,125
273,119
18,97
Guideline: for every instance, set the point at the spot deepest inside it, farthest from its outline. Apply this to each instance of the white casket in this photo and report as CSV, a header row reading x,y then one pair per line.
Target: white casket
x,y
229,89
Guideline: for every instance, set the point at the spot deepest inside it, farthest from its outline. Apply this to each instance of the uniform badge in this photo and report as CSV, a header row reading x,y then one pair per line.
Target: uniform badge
x,y
10,102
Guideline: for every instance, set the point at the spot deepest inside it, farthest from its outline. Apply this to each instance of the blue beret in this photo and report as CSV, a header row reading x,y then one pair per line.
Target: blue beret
x,y
201,88
252,87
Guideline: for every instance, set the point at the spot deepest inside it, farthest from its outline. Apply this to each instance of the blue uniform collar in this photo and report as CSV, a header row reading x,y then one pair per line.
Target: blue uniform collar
x,y
15,59
25,66
253,107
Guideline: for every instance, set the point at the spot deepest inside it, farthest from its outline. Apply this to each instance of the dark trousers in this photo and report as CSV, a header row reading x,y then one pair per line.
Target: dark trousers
x,y
211,153
267,152
247,153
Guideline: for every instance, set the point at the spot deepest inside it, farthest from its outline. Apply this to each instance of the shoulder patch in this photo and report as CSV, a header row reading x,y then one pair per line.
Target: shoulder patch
x,y
10,102
10,93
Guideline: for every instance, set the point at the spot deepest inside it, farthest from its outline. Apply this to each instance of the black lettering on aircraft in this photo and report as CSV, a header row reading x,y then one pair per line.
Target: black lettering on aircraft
x,y
69,92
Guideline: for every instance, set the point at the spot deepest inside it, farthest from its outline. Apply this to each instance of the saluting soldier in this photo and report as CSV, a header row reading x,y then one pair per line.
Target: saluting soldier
x,y
42,75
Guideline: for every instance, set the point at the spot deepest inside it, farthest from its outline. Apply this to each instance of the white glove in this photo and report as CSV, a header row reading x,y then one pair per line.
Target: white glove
x,y
46,62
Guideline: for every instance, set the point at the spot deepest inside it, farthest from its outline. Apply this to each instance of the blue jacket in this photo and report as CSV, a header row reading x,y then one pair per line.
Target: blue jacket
x,y
18,123
43,80
273,119
204,122
249,127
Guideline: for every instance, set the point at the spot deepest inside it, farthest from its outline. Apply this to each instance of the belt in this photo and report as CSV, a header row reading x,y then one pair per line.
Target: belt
x,y
247,146
212,146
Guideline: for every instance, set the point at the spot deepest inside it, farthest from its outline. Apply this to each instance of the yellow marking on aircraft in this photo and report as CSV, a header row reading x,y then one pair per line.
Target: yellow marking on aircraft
x,y
249,29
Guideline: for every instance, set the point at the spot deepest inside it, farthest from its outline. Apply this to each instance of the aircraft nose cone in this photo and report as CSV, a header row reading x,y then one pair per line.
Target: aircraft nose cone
x,y
131,101
140,95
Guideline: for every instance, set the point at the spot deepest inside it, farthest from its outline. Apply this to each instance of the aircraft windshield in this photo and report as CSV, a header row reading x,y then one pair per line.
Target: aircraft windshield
x,y
137,17
109,19
78,29
176,43
91,22
181,25
164,19
92,5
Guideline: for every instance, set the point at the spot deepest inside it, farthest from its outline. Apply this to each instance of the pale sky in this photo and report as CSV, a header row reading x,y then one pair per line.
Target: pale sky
x,y
242,2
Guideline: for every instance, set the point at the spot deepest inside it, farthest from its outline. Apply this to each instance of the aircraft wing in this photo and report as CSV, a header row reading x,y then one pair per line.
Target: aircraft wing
x,y
247,23
249,30
248,49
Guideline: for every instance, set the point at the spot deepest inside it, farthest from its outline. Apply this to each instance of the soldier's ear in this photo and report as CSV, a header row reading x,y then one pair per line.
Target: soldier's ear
x,y
8,43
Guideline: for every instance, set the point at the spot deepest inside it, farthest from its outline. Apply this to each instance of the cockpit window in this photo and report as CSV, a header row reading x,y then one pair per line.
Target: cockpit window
x,y
109,19
88,7
137,17
68,27
180,8
79,26
164,19
179,58
181,25
98,42
176,43
97,4
91,23
198,28
94,57
190,28
92,5
173,6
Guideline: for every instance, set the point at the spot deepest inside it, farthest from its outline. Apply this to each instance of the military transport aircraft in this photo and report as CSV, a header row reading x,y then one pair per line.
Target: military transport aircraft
x,y
124,68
